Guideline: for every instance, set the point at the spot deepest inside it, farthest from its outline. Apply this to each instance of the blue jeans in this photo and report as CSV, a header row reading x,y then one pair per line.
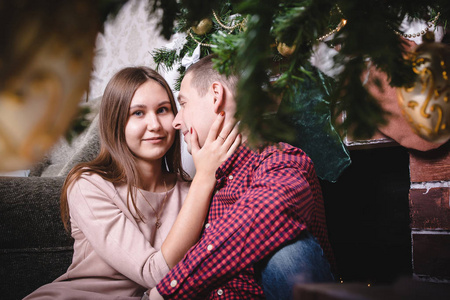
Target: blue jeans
x,y
301,261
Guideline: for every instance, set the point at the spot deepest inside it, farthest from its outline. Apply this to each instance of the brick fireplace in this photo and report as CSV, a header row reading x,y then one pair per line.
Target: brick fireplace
x,y
430,213
389,214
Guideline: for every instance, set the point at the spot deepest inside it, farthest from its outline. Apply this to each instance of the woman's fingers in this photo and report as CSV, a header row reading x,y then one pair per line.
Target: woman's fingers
x,y
226,140
228,132
235,145
213,131
221,142
231,136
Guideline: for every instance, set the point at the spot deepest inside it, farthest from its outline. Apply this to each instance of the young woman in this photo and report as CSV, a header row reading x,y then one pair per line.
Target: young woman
x,y
132,212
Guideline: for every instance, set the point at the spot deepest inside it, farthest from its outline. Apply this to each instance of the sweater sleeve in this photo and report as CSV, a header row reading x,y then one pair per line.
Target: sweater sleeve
x,y
105,221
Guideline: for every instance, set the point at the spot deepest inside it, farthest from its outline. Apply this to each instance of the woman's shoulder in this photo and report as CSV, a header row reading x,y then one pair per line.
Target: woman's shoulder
x,y
90,186
91,180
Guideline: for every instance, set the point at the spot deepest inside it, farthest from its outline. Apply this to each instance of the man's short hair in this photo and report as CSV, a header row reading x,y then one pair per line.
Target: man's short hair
x,y
203,75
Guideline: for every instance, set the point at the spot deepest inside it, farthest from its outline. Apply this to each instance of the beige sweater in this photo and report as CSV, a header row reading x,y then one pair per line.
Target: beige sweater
x,y
115,255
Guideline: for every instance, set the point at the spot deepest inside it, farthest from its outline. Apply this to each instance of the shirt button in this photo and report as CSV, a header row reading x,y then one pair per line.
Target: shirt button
x,y
220,292
173,283
209,247
207,225
230,177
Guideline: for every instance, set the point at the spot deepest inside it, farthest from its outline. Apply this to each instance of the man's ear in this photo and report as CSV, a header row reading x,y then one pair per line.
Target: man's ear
x,y
219,96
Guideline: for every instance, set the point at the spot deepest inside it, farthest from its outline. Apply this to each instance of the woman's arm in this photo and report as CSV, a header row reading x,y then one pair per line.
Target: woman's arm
x,y
188,225
102,223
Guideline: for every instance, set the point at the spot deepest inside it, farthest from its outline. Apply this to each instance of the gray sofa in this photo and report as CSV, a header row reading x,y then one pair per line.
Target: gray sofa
x,y
34,246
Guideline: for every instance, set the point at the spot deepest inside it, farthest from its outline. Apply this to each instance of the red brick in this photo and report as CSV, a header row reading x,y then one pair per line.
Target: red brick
x,y
431,255
433,165
430,210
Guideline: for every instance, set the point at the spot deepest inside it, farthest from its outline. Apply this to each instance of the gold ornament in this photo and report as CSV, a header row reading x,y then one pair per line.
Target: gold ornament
x,y
44,71
426,104
285,50
203,27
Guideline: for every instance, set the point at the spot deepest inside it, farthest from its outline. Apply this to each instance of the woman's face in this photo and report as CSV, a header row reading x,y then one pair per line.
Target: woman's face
x,y
149,133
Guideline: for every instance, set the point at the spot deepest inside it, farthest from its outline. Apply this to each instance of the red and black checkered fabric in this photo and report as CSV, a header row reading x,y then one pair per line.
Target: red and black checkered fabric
x,y
263,199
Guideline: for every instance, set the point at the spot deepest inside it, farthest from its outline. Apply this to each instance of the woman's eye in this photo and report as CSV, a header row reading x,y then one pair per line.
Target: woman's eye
x,y
138,113
163,110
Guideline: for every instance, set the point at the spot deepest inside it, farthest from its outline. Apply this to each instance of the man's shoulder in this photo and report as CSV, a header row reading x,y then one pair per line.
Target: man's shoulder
x,y
281,155
283,150
271,157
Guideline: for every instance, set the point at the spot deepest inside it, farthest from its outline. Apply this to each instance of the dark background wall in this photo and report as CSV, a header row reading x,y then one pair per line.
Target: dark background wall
x,y
368,216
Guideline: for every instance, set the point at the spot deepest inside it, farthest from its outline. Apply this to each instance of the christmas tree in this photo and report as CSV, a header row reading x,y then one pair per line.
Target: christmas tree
x,y
365,30
273,43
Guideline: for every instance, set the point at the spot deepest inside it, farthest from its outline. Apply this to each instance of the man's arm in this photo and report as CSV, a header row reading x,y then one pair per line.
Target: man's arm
x,y
272,211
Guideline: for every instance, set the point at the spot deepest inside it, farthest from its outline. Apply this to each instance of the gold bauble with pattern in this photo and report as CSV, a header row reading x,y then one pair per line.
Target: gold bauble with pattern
x,y
426,104
203,27
285,50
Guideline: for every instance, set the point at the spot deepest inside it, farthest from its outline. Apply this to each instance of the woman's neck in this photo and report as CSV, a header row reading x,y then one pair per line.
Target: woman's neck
x,y
152,177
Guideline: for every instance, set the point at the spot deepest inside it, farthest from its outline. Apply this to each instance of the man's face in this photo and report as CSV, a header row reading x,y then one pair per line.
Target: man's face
x,y
195,112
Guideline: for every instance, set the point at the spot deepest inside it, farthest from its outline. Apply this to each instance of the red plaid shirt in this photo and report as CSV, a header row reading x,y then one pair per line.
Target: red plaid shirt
x,y
263,200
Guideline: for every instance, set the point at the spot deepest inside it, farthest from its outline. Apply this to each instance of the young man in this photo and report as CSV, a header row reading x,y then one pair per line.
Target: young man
x,y
265,200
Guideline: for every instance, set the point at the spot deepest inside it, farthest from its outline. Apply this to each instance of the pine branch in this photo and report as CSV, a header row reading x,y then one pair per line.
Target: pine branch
x,y
164,58
254,96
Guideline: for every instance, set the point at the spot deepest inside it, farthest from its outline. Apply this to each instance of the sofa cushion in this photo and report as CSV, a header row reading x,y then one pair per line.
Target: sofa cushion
x,y
34,247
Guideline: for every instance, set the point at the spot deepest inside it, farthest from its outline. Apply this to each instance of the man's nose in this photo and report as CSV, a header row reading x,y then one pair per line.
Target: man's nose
x,y
176,123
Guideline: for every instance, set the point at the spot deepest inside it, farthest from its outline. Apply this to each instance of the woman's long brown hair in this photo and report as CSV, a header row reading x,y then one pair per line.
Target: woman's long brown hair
x,y
115,162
